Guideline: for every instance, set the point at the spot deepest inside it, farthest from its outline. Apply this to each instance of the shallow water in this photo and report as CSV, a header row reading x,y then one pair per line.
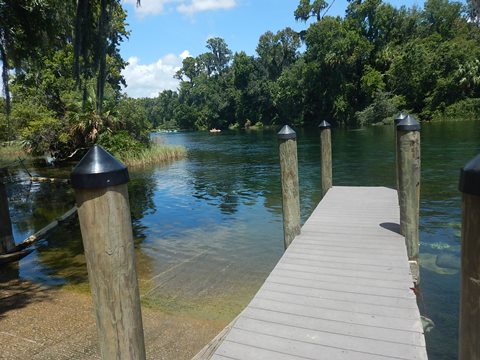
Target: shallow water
x,y
208,229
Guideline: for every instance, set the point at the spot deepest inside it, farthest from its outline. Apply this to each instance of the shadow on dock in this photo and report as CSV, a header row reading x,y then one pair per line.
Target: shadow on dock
x,y
391,226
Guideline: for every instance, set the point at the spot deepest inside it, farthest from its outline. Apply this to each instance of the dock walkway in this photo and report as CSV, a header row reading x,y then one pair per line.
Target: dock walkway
x,y
342,290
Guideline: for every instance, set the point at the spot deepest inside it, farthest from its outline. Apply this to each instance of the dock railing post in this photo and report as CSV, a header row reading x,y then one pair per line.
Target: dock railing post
x,y
100,183
469,330
287,144
396,121
6,234
326,150
408,131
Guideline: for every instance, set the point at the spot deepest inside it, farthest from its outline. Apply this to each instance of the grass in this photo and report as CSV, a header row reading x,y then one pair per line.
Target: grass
x,y
155,154
11,151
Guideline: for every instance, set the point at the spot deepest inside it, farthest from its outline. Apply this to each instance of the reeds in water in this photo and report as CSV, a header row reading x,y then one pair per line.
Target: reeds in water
x,y
154,154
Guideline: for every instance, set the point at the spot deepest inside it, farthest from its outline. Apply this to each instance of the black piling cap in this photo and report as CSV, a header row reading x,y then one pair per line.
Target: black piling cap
x,y
470,177
409,124
324,125
399,118
286,133
98,169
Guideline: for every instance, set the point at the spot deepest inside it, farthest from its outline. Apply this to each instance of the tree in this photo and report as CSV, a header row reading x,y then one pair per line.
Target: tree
x,y
308,8
28,29
99,29
278,51
220,54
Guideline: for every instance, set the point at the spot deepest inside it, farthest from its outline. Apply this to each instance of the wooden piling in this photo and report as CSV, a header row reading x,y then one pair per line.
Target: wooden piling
x,y
290,188
469,330
100,183
409,188
6,234
396,121
326,150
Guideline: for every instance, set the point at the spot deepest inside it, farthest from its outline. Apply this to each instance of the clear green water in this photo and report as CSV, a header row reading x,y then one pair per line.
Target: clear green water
x,y
208,229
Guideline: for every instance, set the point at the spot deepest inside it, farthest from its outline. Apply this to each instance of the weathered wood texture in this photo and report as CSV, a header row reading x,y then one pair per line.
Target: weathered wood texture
x,y
290,189
326,167
469,346
105,223
6,236
409,192
397,161
342,290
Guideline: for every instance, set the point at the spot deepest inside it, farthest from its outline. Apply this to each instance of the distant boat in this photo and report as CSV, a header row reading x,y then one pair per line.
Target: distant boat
x,y
215,130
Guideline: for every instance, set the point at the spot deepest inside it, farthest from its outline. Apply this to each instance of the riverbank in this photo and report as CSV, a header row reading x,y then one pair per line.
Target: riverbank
x,y
39,322
11,151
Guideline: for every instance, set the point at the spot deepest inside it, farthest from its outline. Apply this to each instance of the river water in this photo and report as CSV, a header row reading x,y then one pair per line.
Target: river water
x,y
208,228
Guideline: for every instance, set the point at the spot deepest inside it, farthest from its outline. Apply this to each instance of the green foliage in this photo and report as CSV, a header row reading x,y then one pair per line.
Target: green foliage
x,y
40,129
63,100
356,70
307,9
467,109
120,143
381,110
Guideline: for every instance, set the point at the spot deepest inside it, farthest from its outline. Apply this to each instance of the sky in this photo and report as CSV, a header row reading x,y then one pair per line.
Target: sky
x,y
164,32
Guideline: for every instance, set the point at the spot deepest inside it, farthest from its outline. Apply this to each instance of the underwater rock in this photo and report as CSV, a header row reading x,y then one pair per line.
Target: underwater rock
x,y
427,324
429,261
448,261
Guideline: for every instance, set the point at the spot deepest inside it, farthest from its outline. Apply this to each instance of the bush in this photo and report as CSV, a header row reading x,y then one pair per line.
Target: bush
x,y
467,109
381,110
120,143
40,129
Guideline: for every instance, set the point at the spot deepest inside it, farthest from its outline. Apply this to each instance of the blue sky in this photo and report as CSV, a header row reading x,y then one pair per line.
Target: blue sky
x,y
163,32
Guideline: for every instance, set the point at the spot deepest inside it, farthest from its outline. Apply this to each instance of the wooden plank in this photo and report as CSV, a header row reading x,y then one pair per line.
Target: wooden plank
x,y
323,338
285,348
357,254
404,303
315,302
345,316
341,291
322,269
342,259
347,280
400,336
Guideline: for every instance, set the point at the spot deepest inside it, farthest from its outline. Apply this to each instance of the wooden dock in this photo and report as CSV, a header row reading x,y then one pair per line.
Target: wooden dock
x,y
342,290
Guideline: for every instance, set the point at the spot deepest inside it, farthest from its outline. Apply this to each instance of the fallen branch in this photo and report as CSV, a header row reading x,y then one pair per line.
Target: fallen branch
x,y
52,180
13,256
42,232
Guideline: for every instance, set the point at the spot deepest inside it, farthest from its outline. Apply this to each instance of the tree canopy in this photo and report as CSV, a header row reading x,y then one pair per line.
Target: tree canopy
x,y
356,70
61,62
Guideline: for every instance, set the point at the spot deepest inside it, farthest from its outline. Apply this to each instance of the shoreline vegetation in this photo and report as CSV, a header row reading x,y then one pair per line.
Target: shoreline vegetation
x,y
153,155
156,153
11,151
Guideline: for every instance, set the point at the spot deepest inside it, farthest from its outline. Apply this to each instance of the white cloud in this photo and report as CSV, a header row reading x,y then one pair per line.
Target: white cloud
x,y
147,80
155,7
205,5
